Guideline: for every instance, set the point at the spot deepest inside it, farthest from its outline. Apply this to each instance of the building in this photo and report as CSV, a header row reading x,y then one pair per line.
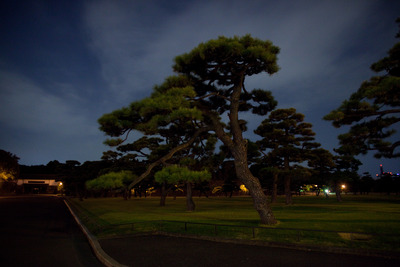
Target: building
x,y
38,184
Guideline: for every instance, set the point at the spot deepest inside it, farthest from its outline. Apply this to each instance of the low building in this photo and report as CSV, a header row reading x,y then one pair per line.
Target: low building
x,y
38,184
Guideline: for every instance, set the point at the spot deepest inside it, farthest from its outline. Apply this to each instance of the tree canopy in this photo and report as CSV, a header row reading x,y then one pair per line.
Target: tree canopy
x,y
373,111
176,174
111,180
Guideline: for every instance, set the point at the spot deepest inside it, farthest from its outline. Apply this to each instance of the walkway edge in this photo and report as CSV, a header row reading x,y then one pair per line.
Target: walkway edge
x,y
94,243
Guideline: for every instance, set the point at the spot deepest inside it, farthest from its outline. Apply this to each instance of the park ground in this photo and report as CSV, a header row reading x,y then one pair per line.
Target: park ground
x,y
368,222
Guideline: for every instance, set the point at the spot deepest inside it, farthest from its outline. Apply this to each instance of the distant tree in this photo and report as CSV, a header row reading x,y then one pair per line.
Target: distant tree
x,y
346,167
227,174
289,141
72,183
175,174
366,183
269,170
9,170
322,164
111,156
89,170
112,181
373,111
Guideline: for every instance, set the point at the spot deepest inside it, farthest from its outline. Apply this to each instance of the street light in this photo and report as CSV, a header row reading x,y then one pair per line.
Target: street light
x,y
60,187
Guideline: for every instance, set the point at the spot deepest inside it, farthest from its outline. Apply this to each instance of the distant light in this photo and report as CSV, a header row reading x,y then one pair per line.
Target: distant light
x,y
327,191
243,188
60,184
380,165
343,186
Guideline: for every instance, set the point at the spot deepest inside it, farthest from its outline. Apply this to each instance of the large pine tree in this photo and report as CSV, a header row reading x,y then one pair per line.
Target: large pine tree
x,y
210,85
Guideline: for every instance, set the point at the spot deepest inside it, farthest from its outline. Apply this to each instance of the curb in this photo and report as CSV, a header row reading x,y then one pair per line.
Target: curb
x,y
94,243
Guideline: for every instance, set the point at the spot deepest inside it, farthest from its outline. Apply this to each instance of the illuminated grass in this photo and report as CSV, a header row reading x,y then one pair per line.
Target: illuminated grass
x,y
367,214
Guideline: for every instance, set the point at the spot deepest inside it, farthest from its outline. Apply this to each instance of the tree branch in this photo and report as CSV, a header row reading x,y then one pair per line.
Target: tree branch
x,y
168,156
357,116
212,94
234,112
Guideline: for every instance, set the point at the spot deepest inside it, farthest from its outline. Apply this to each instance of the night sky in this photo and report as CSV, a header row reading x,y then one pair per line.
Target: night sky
x,y
63,64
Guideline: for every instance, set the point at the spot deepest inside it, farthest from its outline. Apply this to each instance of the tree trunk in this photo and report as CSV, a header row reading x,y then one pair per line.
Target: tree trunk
x,y
190,206
238,147
260,200
288,192
125,193
164,193
274,194
338,191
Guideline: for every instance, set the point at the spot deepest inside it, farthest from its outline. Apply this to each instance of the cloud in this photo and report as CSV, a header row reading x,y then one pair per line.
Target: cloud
x,y
120,33
39,126
313,38
27,106
136,42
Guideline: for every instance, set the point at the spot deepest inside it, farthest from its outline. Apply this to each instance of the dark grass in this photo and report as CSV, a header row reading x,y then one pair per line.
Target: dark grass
x,y
310,220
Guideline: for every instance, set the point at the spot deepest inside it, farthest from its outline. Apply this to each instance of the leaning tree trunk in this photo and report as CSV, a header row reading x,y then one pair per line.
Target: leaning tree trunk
x,y
238,147
274,194
190,206
260,200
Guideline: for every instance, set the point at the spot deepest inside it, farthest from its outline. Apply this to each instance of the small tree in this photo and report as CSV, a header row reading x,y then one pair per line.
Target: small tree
x,y
112,181
176,174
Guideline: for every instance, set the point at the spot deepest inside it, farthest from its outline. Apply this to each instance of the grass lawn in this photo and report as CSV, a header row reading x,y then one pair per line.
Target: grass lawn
x,y
379,214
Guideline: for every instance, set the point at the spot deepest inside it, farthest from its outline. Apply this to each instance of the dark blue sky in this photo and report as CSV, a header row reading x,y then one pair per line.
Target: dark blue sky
x,y
65,63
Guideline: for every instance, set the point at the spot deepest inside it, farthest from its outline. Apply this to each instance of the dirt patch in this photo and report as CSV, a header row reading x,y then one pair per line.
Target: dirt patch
x,y
355,236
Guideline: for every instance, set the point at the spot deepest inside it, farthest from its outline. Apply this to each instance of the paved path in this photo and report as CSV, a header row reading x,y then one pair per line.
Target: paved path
x,y
176,251
40,231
